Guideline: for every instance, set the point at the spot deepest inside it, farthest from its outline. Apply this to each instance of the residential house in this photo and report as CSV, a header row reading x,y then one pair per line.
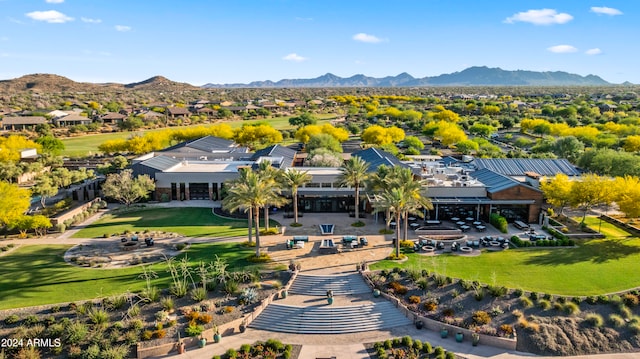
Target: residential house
x,y
16,123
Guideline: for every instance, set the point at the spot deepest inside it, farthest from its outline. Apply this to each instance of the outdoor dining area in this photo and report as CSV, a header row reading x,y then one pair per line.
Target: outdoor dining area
x,y
465,224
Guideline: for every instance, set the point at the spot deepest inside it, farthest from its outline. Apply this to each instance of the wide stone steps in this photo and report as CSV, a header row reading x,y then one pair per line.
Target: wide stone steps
x,y
329,319
318,285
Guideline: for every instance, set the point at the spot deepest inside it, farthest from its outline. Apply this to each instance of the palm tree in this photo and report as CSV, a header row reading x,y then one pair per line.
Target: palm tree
x,y
354,173
271,174
252,192
295,179
236,203
415,192
394,201
377,183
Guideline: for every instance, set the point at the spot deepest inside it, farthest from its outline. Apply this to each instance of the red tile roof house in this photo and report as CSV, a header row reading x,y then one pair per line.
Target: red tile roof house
x,y
14,123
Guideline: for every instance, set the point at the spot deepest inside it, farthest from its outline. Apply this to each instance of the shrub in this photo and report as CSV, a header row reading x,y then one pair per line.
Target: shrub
x,y
571,308
31,320
414,299
99,316
167,303
274,344
388,344
393,257
398,288
603,299
526,302
136,324
417,345
407,341
147,335
518,292
448,312
431,305
230,287
533,296
205,318
499,222
630,300
199,294
616,320
181,246
231,353
426,347
159,333
193,330
262,258
422,283
465,284
594,319
591,300
406,243
75,332
497,291
544,304
249,296
506,330
481,317
438,351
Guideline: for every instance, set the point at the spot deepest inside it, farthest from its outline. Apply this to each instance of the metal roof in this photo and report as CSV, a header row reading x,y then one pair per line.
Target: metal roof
x,y
160,163
376,157
205,144
518,166
495,182
287,155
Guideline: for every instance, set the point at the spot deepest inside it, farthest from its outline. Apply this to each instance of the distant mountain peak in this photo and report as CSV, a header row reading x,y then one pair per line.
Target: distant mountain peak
x,y
471,76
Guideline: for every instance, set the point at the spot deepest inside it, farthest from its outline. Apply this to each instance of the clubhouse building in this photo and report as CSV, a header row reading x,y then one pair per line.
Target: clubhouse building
x,y
198,169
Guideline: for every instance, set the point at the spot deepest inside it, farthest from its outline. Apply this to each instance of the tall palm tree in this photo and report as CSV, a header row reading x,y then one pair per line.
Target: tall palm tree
x,y
377,183
415,192
354,173
254,192
271,174
295,179
236,203
393,199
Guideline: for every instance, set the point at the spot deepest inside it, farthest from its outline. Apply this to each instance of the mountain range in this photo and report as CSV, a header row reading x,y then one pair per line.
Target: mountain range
x,y
472,76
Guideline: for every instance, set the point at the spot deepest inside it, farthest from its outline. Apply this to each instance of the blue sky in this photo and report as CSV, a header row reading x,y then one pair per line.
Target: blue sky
x,y
242,41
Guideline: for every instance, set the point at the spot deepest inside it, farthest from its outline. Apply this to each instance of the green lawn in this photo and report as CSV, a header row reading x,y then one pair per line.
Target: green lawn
x,y
36,275
192,222
606,228
88,144
594,267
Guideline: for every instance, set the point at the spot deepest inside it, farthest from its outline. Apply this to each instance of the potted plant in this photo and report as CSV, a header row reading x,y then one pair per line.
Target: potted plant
x,y
459,337
475,339
419,324
202,342
180,345
284,293
216,336
330,296
444,332
376,292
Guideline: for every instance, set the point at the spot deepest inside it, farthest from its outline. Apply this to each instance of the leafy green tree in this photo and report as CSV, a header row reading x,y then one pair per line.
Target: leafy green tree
x,y
482,129
14,202
379,135
323,140
413,142
257,136
45,188
9,171
126,189
568,147
62,177
295,179
353,173
303,120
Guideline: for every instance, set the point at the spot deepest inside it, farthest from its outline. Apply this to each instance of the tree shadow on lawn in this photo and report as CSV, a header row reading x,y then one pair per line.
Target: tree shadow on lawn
x,y
595,251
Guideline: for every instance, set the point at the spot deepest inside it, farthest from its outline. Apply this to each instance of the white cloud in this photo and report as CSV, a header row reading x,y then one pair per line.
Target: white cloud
x,y
122,28
562,49
540,17
294,57
90,21
603,10
594,51
366,38
54,1
50,16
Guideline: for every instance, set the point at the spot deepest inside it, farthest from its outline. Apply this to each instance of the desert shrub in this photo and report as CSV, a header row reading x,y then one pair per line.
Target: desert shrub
x,y
591,300
28,353
615,300
526,302
136,324
388,344
147,335
616,320
571,308
249,296
193,330
438,351
181,246
274,344
417,345
159,333
497,291
630,300
92,352
167,303
262,258
634,327
496,310
407,341
448,312
75,332
450,355
518,292
414,299
481,317
230,287
426,347
625,312
431,305
199,294
31,320
115,352
561,300
440,280
398,288
98,316
395,257
422,283
506,330
115,302
517,313
228,309
205,318
533,295
134,311
594,319
479,294
544,304
406,243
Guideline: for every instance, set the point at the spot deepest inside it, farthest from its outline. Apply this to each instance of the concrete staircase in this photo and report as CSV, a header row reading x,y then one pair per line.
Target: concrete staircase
x,y
368,315
318,285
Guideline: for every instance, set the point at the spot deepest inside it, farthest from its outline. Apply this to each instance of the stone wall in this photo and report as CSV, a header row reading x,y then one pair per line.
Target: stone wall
x,y
72,212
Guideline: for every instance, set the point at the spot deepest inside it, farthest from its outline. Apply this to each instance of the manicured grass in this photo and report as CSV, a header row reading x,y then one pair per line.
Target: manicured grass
x,y
88,144
36,275
192,222
594,267
606,228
